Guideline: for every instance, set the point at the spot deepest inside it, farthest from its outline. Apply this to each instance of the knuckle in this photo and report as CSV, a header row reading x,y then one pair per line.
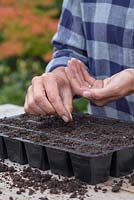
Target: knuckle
x,y
27,108
31,104
50,111
38,98
34,79
29,89
48,77
44,76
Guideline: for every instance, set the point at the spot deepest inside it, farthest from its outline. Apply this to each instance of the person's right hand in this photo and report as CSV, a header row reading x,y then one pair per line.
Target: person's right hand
x,y
49,94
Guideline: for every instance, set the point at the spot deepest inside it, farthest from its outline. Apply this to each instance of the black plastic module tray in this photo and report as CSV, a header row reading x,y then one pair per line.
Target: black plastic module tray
x,y
90,148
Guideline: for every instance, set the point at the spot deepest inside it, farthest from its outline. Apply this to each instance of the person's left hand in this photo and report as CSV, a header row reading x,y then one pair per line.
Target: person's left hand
x,y
115,87
78,77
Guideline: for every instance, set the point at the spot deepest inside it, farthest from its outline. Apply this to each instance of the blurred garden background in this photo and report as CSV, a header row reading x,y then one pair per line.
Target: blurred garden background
x,y
26,30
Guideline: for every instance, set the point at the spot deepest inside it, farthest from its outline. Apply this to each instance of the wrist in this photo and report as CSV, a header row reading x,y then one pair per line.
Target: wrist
x,y
131,75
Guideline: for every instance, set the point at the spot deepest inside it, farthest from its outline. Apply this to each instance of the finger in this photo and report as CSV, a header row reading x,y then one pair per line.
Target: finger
x,y
75,84
89,79
74,71
67,99
72,75
76,67
100,94
30,103
26,108
39,95
54,97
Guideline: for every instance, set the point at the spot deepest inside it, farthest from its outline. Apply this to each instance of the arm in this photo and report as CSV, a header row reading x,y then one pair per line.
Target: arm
x,y
51,92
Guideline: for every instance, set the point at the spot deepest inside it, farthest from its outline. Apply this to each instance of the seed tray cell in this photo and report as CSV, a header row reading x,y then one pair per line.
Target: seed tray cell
x,y
3,149
15,150
89,148
122,162
91,169
37,156
60,162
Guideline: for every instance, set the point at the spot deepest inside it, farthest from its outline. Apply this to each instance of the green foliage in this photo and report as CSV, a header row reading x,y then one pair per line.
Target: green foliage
x,y
80,105
16,78
1,37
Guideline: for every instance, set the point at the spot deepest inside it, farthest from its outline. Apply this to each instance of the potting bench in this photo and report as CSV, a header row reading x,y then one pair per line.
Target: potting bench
x,y
126,193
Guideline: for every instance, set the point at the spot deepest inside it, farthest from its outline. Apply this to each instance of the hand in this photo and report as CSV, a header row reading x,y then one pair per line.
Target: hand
x,y
115,87
50,93
78,77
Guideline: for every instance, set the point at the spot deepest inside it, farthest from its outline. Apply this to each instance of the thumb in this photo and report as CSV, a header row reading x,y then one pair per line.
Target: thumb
x,y
98,93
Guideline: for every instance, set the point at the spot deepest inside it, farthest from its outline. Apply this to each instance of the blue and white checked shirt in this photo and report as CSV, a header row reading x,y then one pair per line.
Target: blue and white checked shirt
x,y
101,34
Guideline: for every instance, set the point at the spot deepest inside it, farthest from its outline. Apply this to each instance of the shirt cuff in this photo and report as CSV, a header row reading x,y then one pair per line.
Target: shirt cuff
x,y
57,62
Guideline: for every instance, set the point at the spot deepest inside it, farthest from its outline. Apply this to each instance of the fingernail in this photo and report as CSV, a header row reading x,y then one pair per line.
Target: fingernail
x,y
65,118
73,58
87,94
71,116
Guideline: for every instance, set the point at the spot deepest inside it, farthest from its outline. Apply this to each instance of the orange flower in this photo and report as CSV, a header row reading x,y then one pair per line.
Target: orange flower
x,y
47,57
22,24
10,48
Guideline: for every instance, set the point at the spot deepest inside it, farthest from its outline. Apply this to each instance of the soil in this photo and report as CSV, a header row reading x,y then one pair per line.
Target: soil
x,y
4,129
131,179
92,149
34,180
42,139
117,186
54,140
85,133
10,198
5,168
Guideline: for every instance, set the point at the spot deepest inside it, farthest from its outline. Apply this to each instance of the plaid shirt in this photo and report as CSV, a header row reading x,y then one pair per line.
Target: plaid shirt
x,y
101,34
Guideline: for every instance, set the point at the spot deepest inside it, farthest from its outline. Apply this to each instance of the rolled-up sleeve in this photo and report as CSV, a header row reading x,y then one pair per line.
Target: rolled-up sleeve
x,y
69,40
